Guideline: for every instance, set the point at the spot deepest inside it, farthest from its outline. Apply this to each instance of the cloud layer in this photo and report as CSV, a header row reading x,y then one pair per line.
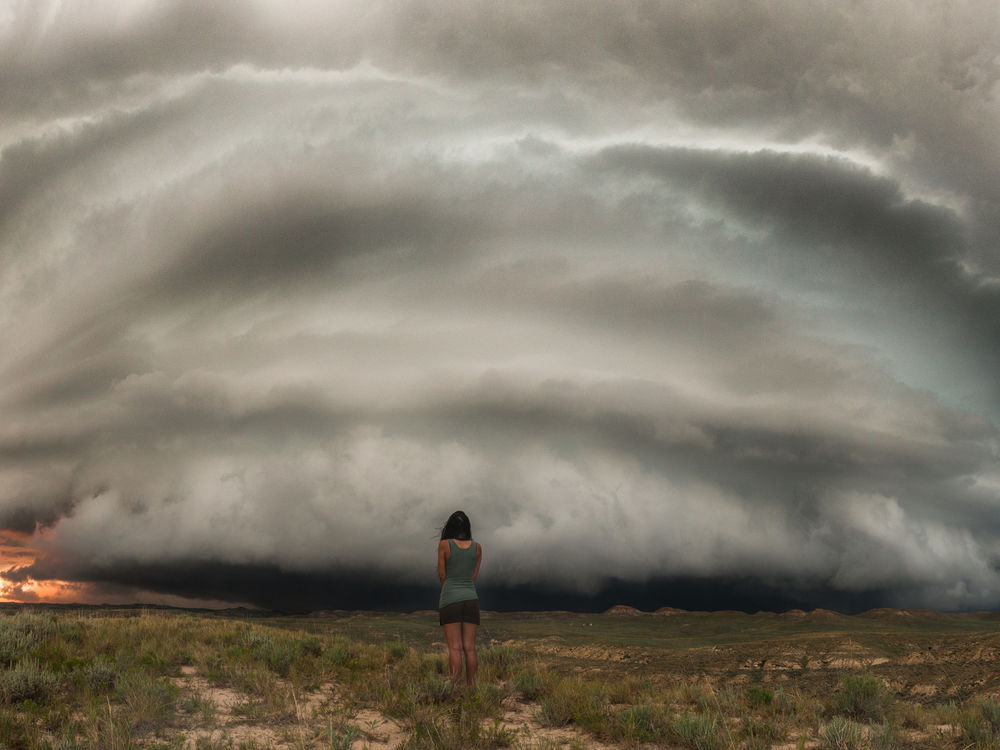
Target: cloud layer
x,y
653,291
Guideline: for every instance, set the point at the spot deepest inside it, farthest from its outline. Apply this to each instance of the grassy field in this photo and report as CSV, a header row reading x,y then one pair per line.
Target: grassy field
x,y
117,679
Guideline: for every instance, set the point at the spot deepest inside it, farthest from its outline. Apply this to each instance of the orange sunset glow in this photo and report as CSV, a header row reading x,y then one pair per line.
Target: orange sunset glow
x,y
16,551
56,592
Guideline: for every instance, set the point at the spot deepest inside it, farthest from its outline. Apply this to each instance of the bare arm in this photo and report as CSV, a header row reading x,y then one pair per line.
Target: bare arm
x,y
479,560
442,556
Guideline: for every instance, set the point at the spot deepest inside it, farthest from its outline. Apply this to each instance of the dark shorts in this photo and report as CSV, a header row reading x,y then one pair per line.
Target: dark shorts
x,y
467,611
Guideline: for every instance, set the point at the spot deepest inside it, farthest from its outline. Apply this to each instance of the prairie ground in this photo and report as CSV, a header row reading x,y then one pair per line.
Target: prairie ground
x,y
132,678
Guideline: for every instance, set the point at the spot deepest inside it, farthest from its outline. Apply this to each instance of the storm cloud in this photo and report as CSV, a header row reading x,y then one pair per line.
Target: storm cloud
x,y
671,298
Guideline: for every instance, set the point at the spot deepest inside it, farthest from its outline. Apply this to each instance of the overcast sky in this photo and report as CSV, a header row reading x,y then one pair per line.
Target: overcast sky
x,y
654,291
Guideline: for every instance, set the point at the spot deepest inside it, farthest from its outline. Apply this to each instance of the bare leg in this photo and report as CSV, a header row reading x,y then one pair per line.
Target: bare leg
x,y
469,647
453,634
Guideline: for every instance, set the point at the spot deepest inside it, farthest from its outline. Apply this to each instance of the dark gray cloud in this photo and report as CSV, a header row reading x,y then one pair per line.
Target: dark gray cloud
x,y
667,297
817,204
840,222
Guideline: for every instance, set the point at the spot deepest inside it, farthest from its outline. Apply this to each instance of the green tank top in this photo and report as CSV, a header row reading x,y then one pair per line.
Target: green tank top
x,y
458,567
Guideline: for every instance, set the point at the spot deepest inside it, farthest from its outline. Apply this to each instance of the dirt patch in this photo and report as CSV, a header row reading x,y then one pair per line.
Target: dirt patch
x,y
381,732
217,714
519,718
223,698
223,722
593,653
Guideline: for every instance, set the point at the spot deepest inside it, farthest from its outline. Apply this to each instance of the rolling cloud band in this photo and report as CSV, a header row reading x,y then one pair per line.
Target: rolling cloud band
x,y
678,301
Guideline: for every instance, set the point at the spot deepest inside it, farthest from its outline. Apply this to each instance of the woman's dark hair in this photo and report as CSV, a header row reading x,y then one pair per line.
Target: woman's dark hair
x,y
457,527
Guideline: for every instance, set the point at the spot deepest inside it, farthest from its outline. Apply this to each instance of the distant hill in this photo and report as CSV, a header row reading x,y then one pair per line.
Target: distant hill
x,y
622,610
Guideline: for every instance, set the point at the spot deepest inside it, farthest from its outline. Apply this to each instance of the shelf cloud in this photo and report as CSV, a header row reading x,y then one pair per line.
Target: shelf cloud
x,y
658,293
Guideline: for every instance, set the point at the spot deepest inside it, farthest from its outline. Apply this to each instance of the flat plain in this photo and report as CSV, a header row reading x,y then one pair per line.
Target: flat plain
x,y
174,679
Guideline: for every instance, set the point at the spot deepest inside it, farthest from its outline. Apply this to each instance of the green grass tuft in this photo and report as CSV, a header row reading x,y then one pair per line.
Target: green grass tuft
x,y
842,734
702,731
863,697
758,696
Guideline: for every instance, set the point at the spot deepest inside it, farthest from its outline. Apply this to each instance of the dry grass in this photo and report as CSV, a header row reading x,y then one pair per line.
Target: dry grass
x,y
174,680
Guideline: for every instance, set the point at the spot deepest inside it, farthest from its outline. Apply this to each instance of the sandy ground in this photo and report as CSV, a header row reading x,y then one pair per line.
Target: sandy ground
x,y
314,712
808,653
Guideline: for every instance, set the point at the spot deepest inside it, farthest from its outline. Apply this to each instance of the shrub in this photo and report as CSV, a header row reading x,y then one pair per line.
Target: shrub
x,y
556,708
441,733
396,649
100,675
642,723
630,690
341,736
207,743
485,700
28,681
152,661
252,710
884,737
573,701
990,711
842,734
530,682
150,701
17,729
280,655
862,697
432,665
500,657
72,631
697,696
337,655
759,734
311,646
429,689
758,696
200,704
57,655
68,741
458,726
701,731
15,640
982,725
782,703
497,736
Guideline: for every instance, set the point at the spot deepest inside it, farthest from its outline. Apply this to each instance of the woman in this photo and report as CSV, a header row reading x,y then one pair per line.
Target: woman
x,y
458,608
